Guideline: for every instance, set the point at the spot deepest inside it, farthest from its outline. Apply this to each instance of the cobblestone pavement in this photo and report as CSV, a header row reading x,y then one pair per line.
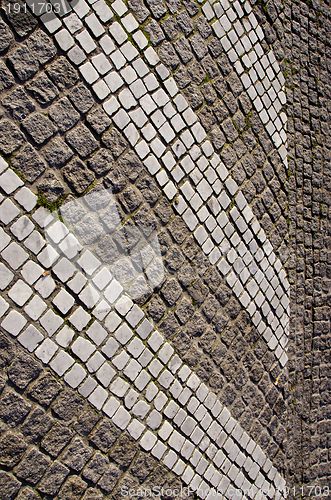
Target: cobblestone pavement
x,y
164,363
307,50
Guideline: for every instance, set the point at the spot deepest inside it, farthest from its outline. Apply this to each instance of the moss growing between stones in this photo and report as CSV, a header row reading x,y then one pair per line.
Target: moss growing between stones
x,y
52,206
18,172
263,5
248,121
90,187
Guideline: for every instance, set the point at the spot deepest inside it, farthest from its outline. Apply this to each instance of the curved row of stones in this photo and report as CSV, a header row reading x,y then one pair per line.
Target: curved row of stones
x,y
307,50
167,136
117,360
210,155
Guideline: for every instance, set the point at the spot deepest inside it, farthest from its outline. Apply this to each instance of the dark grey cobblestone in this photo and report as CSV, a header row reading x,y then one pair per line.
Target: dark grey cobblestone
x,y
22,22
42,89
39,127
23,63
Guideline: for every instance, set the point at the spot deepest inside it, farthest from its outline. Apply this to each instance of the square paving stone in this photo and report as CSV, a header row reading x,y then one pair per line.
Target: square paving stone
x,y
61,362
3,306
77,282
35,307
45,286
30,338
121,418
97,333
46,350
22,228
14,255
24,63
89,72
95,361
79,319
39,127
29,163
81,98
42,89
26,198
65,336
51,322
110,347
86,41
13,322
75,375
62,73
8,211
57,153
123,334
18,104
10,137
98,397
64,39
78,175
105,374
20,292
111,406
89,296
6,276
63,301
48,256
64,269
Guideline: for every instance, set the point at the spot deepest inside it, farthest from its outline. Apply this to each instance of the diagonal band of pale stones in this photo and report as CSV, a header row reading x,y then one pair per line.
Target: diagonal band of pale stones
x,y
122,365
117,360
167,136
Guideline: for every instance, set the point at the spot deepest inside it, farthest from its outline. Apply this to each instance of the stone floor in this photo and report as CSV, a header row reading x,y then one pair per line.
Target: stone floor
x,y
163,249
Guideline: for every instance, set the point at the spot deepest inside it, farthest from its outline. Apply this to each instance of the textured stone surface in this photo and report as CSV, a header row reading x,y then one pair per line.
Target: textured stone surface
x,y
194,308
69,442
309,452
